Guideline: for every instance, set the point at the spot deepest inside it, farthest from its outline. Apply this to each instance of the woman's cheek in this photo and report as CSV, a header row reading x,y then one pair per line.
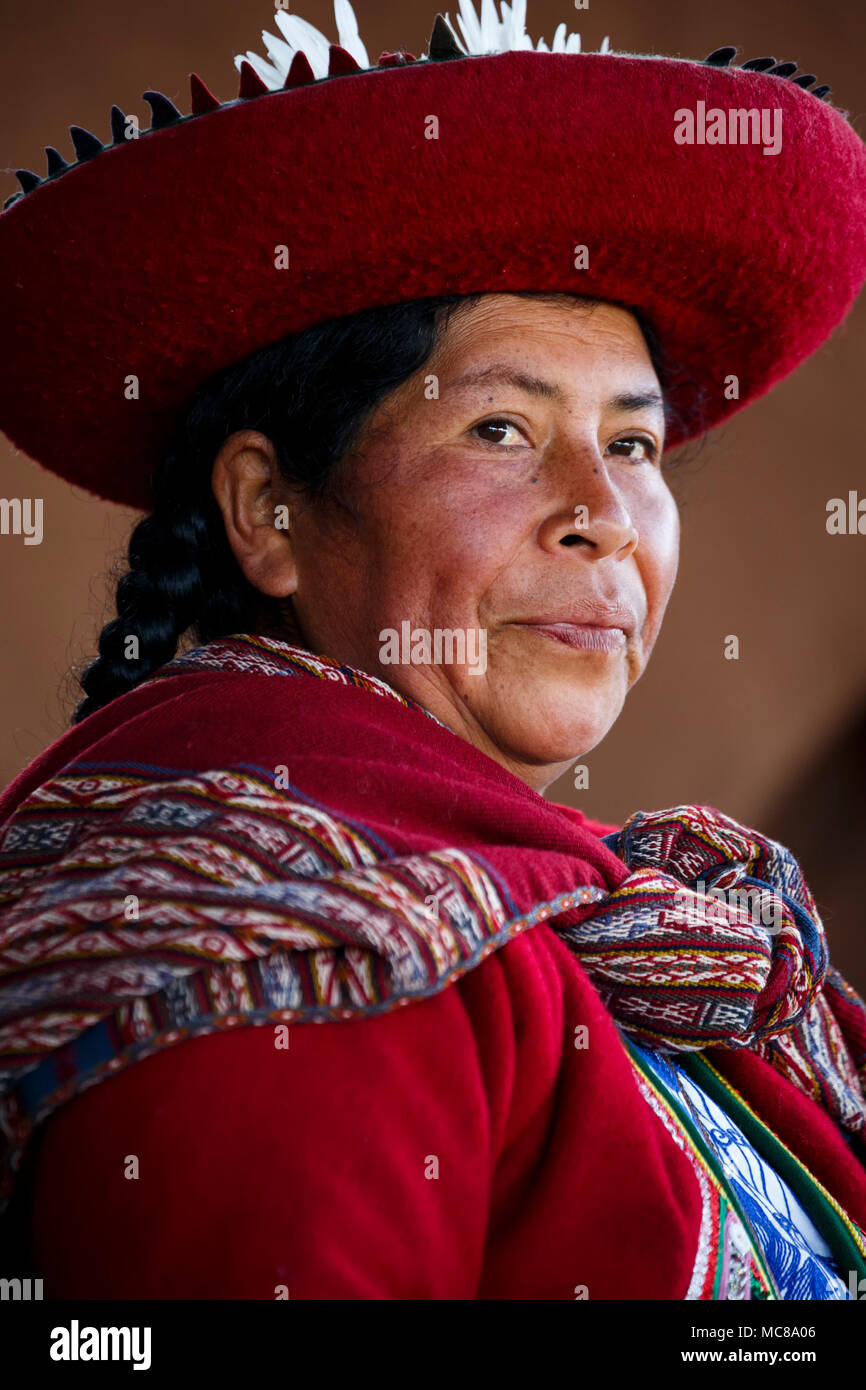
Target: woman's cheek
x,y
657,555
480,527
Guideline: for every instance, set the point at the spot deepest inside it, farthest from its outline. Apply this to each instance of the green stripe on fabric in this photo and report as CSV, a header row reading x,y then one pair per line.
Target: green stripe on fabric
x,y
834,1225
711,1162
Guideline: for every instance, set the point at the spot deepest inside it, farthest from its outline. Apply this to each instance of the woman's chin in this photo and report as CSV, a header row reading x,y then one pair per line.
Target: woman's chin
x,y
541,726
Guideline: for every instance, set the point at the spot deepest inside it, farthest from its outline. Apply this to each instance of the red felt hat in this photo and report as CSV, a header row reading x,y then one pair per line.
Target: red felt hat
x,y
329,186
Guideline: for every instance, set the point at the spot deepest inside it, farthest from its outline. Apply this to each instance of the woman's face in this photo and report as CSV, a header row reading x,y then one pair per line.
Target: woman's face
x,y
508,494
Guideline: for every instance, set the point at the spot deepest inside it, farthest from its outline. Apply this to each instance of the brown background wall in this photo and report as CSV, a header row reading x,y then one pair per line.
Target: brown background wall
x,y
776,738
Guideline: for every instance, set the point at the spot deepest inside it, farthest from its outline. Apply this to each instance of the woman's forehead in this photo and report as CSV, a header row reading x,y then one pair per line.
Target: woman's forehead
x,y
566,320
544,348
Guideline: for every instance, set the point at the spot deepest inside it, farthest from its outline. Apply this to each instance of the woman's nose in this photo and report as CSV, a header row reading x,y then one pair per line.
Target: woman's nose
x,y
600,523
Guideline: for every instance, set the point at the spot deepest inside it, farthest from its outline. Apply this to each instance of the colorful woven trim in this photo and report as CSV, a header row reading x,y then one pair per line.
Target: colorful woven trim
x,y
267,656
844,1236
714,939
729,1263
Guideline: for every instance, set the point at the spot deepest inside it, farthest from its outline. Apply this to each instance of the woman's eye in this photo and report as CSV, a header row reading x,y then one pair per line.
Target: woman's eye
x,y
635,447
496,426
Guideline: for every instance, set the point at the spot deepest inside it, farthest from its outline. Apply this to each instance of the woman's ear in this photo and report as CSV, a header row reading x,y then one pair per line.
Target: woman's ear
x,y
256,505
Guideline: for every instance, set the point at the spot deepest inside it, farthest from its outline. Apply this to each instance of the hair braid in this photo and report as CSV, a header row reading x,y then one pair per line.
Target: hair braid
x,y
158,598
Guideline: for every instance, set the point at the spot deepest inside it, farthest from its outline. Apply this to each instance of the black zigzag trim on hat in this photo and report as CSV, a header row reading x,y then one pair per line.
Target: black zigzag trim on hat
x,y
723,58
443,47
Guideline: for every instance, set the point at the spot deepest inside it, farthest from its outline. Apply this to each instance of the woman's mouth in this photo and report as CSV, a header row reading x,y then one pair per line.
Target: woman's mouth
x,y
591,637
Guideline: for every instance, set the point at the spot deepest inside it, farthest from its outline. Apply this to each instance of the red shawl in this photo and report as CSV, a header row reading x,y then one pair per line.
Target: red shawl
x,y
221,848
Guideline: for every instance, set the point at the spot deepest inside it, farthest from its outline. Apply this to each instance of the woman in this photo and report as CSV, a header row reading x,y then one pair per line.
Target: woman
x,y
401,1027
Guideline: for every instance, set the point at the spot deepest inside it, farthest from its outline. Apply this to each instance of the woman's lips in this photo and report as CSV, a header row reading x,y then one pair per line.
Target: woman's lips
x,y
587,636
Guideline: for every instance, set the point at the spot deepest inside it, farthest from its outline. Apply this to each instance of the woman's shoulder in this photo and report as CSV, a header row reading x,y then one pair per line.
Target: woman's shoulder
x,y
204,718
143,720
233,1162
351,1158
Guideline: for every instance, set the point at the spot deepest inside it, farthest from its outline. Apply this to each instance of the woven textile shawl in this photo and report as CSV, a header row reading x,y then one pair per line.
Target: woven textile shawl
x,y
140,905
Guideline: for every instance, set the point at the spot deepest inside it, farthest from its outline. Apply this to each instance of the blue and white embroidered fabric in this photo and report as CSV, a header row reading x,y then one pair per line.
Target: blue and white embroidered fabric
x,y
799,1258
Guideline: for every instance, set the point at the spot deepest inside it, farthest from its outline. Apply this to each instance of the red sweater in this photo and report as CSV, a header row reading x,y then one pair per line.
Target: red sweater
x,y
444,1150
455,1149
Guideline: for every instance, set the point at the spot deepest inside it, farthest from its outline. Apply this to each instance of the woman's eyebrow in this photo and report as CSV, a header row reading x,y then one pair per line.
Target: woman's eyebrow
x,y
533,385
547,390
636,400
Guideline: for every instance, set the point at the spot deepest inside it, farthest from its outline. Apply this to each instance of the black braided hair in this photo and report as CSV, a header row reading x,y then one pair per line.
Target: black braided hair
x,y
310,394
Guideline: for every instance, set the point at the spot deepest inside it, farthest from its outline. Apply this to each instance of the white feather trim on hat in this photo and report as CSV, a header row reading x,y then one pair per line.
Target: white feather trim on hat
x,y
488,32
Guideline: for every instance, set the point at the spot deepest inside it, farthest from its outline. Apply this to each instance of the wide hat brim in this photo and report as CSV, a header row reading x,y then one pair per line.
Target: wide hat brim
x,y
158,260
